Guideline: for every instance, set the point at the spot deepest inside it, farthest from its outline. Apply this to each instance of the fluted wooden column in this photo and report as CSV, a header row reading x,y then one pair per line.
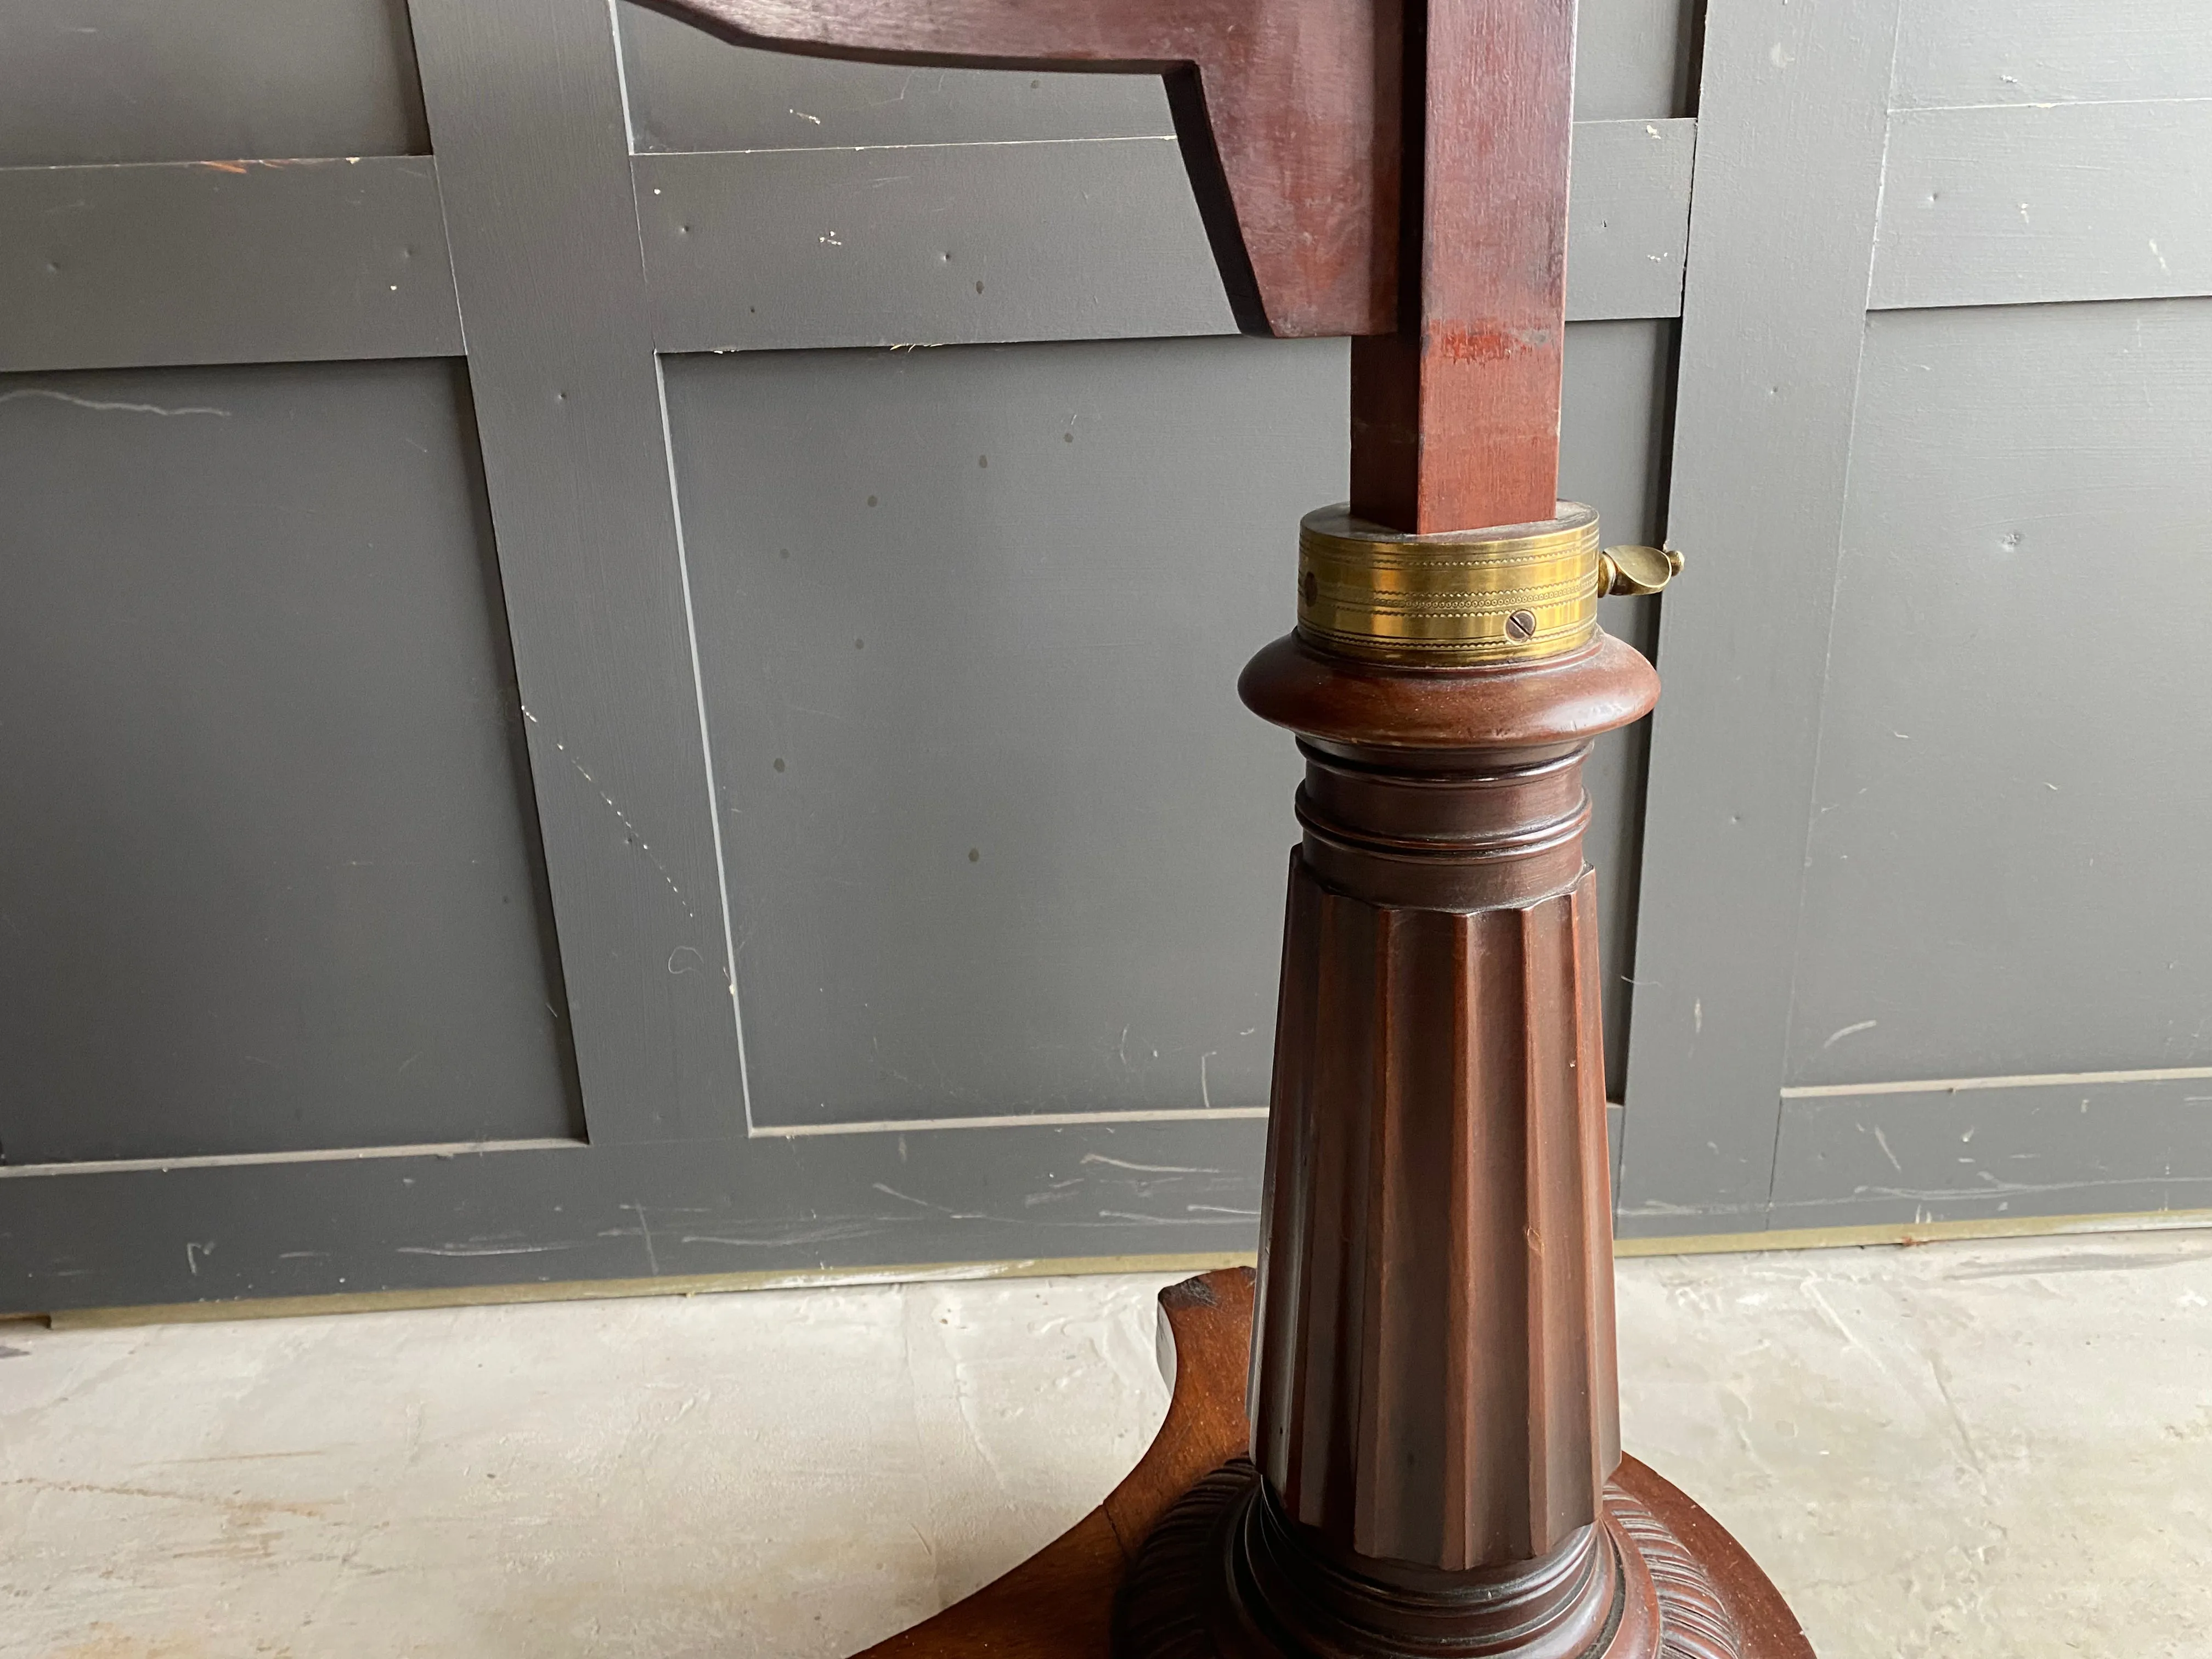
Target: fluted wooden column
x,y
1433,1404
1434,1372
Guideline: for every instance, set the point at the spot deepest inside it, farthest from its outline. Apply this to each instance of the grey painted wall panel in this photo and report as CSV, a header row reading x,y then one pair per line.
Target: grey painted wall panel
x,y
634,1211
2045,202
1632,59
524,103
1792,118
89,81
266,857
2094,1147
224,262
1089,239
2047,52
1000,839
969,242
691,91
2011,859
1628,221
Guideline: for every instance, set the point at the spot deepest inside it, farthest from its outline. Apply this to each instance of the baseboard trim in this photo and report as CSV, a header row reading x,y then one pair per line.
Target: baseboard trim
x,y
592,1290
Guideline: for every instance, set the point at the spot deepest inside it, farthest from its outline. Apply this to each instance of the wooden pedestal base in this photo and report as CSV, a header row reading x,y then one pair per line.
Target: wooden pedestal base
x,y
1148,1559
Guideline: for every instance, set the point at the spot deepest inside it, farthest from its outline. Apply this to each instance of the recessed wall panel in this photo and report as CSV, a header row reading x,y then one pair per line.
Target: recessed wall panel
x,y
269,877
2010,863
1000,838
86,80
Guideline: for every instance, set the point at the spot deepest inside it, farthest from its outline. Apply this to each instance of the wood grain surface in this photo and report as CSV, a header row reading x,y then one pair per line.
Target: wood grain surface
x,y
1455,412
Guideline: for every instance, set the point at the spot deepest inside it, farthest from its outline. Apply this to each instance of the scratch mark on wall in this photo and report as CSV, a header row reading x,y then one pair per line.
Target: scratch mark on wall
x,y
107,405
1882,1141
1146,1169
909,1197
1834,1038
636,836
1235,1220
827,1232
644,1232
480,1250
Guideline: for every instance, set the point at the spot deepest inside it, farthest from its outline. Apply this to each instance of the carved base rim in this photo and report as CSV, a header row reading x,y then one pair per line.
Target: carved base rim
x,y
1185,1598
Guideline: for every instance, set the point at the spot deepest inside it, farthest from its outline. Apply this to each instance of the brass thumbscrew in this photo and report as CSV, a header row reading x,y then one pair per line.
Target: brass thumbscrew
x,y
1637,569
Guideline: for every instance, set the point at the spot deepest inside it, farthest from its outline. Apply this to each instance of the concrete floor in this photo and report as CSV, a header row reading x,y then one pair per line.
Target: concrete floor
x,y
1964,1449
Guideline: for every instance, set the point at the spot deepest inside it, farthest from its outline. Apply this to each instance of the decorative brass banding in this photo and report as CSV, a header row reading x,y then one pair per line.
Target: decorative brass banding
x,y
1507,595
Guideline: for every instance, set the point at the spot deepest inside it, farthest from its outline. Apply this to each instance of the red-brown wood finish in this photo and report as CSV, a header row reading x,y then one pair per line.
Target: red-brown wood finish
x,y
1295,102
1437,1180
1433,228
1455,412
1433,1402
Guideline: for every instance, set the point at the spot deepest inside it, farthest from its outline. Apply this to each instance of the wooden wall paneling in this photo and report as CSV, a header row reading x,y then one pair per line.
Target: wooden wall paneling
x,y
1628,218
2012,204
2080,1145
2019,474
224,262
1792,115
1634,60
177,1231
1963,53
1097,240
522,106
268,859
525,110
909,654
937,246
118,81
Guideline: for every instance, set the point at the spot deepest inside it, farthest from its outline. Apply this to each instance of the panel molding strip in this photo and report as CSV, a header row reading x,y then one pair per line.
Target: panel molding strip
x,y
224,262
1006,1121
311,1155
525,111
1952,1086
331,258
1793,116
1046,239
2035,203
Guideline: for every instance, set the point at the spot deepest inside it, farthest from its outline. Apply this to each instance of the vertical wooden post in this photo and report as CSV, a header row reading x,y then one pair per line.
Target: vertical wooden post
x,y
1456,413
1433,1404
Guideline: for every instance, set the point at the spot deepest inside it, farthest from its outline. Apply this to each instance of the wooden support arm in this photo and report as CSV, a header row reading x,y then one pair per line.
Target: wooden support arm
x,y
1287,110
1433,229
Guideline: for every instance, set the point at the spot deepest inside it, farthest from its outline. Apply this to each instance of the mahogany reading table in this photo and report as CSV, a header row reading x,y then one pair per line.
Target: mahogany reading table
x,y
1423,1457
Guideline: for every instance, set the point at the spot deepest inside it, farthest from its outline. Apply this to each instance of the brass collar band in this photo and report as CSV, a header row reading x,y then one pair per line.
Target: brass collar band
x,y
1507,594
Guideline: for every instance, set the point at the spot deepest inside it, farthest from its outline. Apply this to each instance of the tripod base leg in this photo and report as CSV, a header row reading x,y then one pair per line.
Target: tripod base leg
x,y
1154,1541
